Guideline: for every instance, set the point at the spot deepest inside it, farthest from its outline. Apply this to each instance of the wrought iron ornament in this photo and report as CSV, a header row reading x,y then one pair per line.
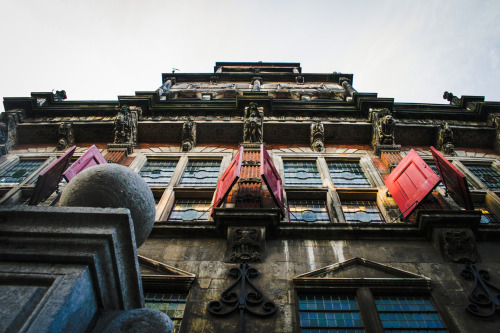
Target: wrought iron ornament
x,y
230,301
484,296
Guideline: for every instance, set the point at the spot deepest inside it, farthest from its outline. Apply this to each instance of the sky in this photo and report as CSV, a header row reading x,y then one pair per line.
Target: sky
x,y
411,51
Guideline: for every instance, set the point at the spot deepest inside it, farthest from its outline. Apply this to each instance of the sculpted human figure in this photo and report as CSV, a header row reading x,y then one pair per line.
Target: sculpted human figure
x,y
188,135
317,137
253,124
386,130
122,125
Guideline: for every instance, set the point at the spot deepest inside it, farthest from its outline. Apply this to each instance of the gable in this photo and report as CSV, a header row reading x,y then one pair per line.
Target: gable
x,y
156,274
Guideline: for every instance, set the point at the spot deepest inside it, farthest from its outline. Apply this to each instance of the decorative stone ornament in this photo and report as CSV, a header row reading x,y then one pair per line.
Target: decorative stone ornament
x,y
253,124
113,186
246,244
454,100
458,245
188,135
65,136
126,127
141,320
8,131
60,95
383,125
445,140
318,137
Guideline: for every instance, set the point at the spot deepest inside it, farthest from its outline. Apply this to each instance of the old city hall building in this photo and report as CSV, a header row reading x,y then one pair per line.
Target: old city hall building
x,y
285,201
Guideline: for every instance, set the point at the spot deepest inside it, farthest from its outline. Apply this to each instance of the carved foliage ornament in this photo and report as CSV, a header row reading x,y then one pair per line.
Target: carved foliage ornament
x,y
317,137
188,135
458,245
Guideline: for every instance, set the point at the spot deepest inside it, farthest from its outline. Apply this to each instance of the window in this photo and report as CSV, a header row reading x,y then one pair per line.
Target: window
x,y
301,173
158,172
201,173
19,172
328,313
308,211
361,211
489,176
190,210
404,314
347,174
488,216
171,304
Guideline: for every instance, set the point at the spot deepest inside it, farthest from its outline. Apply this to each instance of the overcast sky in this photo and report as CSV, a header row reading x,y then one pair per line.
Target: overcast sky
x,y
96,50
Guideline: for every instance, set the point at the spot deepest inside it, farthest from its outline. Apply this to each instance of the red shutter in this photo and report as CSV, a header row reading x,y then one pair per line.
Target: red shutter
x,y
50,177
229,178
272,178
91,157
410,182
453,179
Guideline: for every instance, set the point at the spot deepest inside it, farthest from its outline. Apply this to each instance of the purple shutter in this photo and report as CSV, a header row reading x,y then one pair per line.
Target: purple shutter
x,y
272,178
229,178
50,177
91,157
410,182
454,181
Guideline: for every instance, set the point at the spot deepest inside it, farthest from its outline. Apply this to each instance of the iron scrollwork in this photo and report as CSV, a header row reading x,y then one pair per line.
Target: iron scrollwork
x,y
484,296
250,301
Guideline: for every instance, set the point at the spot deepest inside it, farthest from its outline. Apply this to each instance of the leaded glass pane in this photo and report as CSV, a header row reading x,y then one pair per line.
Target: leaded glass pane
x,y
185,210
158,173
408,314
171,304
347,174
19,172
436,171
301,173
329,313
201,173
489,176
308,211
361,211
488,216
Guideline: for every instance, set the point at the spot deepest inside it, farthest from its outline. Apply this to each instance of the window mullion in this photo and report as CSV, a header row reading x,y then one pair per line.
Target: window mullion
x,y
369,313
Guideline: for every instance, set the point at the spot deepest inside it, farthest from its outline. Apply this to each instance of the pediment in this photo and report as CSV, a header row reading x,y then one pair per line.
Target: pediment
x,y
357,272
156,274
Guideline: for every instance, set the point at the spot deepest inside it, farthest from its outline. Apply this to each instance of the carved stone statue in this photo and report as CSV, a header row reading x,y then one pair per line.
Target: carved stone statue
x,y
252,130
385,126
126,126
60,95
317,137
445,140
256,83
165,87
454,100
8,131
65,136
246,245
188,135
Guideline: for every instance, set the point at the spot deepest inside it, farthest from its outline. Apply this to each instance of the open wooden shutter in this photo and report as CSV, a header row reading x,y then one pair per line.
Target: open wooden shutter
x,y
272,178
453,179
229,178
410,182
91,157
49,178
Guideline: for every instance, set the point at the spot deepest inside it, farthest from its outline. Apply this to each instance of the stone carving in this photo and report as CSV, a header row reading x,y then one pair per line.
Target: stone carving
x,y
188,135
458,245
65,136
384,127
318,137
245,244
8,132
60,95
167,84
126,126
256,83
445,140
454,100
253,126
349,90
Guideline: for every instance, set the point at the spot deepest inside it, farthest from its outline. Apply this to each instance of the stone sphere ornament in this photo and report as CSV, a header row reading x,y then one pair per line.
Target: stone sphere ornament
x,y
140,321
113,186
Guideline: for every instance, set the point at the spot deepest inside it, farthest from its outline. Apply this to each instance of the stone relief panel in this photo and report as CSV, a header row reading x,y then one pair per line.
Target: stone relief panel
x,y
246,244
458,245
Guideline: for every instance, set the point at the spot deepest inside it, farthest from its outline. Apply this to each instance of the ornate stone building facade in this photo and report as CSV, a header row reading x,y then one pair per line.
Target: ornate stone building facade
x,y
276,208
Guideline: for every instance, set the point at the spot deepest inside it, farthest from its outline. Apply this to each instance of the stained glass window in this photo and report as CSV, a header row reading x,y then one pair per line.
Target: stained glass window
x,y
201,173
158,173
19,172
301,173
361,211
190,210
347,174
488,216
329,313
171,304
489,176
308,211
408,314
